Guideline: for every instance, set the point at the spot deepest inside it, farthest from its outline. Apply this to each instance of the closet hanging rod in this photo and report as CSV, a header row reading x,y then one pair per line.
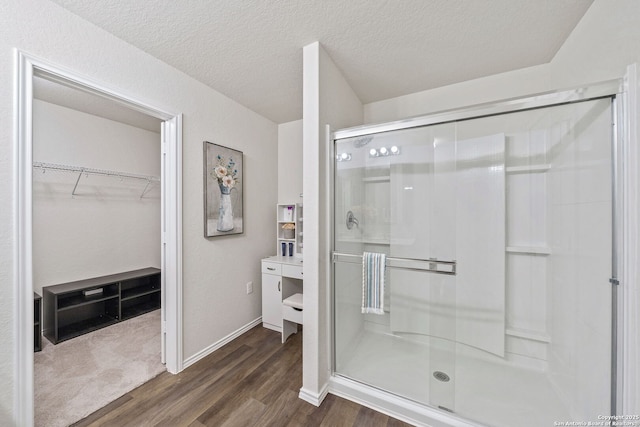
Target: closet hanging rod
x,y
92,171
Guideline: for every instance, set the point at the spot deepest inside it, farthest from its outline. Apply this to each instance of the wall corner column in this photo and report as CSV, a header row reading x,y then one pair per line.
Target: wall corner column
x,y
328,103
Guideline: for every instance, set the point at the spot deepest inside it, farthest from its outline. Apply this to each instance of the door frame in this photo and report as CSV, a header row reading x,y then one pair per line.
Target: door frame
x,y
26,66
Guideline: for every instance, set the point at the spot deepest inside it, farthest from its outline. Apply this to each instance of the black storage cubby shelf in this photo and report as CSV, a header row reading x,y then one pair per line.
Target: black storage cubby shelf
x,y
37,324
76,308
73,300
139,296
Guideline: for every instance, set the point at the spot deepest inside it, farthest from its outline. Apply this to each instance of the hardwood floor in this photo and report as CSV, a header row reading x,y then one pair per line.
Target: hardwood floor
x,y
252,381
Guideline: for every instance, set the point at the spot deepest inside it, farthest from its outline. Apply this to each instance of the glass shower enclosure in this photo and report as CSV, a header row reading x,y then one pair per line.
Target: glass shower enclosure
x,y
497,232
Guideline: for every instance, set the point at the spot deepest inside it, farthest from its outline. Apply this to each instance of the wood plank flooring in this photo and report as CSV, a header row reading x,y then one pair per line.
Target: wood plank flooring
x,y
252,381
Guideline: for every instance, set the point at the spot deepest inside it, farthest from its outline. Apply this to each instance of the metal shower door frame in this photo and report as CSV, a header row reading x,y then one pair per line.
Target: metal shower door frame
x,y
612,89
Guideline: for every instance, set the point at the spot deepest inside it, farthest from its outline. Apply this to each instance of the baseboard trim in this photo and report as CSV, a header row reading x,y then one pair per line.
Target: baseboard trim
x,y
315,399
215,346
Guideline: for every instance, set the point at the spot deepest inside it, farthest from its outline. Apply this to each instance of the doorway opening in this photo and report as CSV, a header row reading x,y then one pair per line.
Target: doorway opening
x,y
28,69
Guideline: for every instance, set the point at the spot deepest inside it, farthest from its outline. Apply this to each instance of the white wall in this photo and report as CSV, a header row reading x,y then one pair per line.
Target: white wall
x,y
500,86
290,162
327,100
603,43
106,227
215,303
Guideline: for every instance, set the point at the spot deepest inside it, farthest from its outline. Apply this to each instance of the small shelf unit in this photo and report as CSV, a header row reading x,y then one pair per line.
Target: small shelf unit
x,y
289,213
76,308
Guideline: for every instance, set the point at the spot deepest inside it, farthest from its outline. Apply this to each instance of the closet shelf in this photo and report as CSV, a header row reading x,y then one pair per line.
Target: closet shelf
x,y
99,172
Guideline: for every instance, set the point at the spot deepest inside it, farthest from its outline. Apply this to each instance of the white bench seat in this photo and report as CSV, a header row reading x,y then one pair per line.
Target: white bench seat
x,y
291,315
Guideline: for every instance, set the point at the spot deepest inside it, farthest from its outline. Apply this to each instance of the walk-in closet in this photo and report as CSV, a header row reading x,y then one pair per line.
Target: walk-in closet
x,y
96,251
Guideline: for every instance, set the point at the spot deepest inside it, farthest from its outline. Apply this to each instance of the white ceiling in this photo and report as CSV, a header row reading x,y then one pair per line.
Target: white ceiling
x,y
251,50
81,100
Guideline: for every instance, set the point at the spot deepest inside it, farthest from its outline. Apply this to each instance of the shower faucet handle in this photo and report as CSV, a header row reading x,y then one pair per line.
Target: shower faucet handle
x,y
351,220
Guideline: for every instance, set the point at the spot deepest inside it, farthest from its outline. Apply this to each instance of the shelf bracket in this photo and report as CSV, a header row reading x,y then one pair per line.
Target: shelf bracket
x,y
145,191
73,193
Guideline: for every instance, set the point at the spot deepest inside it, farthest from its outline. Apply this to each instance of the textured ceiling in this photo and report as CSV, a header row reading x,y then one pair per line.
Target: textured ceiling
x,y
251,50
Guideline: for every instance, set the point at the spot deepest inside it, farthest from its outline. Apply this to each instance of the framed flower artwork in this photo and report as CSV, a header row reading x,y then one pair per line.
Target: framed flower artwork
x,y
223,199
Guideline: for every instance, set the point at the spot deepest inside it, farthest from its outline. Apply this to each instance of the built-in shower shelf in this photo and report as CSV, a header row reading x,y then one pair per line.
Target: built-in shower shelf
x,y
364,241
530,335
383,178
528,168
376,241
531,250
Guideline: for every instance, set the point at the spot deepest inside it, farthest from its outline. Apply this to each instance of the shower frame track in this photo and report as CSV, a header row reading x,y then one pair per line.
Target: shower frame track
x,y
612,89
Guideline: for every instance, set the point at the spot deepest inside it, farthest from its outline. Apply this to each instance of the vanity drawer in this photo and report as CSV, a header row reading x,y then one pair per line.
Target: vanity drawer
x,y
272,268
293,271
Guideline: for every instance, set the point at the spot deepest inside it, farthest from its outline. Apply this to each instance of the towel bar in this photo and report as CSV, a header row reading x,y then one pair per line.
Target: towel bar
x,y
432,265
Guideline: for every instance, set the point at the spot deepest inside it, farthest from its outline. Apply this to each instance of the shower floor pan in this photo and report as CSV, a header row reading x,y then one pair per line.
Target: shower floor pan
x,y
494,393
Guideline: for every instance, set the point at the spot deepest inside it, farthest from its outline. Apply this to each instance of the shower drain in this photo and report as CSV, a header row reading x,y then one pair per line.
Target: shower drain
x,y
441,376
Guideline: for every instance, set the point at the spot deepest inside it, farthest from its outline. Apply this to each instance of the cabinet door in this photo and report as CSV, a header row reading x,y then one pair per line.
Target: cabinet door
x,y
272,300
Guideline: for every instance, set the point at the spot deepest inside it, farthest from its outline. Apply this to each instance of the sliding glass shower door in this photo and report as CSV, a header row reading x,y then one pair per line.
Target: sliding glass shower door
x,y
497,232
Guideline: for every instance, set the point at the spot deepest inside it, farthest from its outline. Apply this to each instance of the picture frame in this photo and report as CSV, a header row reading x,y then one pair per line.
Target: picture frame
x,y
223,190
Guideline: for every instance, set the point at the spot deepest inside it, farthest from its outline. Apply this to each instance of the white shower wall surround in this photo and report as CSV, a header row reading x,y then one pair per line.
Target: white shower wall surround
x,y
522,202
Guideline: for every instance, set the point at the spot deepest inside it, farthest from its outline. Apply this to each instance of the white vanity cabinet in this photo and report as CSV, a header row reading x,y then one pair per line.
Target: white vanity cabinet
x,y
271,294
281,278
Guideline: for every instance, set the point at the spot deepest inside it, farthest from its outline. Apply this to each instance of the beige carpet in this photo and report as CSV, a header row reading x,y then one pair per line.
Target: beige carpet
x,y
79,376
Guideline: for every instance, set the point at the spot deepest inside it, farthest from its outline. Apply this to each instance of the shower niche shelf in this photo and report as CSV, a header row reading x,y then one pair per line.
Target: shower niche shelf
x,y
529,250
382,178
530,335
528,168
